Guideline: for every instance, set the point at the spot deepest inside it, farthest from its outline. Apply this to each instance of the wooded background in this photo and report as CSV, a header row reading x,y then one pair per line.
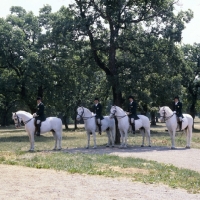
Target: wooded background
x,y
105,48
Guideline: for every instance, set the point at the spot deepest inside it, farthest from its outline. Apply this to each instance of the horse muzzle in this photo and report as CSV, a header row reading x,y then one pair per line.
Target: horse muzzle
x,y
162,119
17,126
78,118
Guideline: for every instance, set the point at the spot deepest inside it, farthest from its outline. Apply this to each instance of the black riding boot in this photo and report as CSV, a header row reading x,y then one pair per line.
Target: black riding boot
x,y
180,125
133,127
38,130
99,125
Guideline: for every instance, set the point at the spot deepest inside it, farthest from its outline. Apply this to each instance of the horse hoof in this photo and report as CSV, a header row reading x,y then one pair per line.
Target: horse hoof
x,y
187,147
59,149
149,145
173,147
107,145
142,145
31,150
94,147
125,147
87,147
113,146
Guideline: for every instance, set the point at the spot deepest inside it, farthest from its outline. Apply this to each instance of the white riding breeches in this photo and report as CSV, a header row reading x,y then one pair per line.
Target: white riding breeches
x,y
132,120
180,119
38,121
99,121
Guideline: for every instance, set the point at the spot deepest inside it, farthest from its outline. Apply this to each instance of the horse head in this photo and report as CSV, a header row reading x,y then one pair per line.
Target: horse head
x,y
165,113
113,110
17,120
80,112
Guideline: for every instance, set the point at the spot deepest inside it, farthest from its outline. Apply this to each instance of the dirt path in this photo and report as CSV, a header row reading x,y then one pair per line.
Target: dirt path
x,y
180,157
18,183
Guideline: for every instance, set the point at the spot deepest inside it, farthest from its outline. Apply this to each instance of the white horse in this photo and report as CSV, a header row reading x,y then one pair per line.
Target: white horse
x,y
53,124
141,124
169,117
107,125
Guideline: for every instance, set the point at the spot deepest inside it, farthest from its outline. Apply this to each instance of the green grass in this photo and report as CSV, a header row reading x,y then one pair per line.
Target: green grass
x,y
14,147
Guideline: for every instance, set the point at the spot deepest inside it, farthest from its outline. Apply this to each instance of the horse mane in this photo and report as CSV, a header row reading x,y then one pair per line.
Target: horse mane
x,y
120,109
24,112
167,109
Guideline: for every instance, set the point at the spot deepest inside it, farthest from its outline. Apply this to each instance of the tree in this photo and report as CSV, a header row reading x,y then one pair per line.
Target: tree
x,y
120,26
191,76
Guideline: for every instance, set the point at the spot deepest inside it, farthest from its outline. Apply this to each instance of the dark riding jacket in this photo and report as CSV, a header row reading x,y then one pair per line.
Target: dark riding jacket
x,y
40,112
178,108
132,107
97,109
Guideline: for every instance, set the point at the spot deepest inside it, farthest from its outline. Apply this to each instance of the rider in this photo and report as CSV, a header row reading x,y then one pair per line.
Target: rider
x,y
132,107
177,108
39,115
97,109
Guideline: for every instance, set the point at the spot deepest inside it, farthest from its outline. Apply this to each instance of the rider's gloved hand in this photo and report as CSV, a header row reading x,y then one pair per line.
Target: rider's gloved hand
x,y
35,115
128,113
174,112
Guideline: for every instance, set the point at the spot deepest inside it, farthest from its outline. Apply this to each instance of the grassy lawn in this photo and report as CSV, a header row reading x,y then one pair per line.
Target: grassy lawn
x,y
14,147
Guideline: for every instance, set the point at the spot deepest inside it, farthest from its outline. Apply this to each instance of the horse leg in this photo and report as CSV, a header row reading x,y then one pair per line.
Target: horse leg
x,y
59,140
149,136
109,140
142,131
55,138
189,137
122,139
94,138
125,138
112,133
172,135
88,140
31,139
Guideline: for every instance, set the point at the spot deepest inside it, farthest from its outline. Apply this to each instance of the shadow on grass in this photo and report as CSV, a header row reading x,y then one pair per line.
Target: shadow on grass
x,y
24,138
116,149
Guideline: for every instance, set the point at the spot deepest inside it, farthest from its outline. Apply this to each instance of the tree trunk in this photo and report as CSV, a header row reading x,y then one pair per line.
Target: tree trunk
x,y
117,100
153,118
65,122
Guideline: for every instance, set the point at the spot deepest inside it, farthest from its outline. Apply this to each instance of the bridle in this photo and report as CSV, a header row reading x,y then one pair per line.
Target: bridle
x,y
118,117
16,118
18,124
82,116
165,117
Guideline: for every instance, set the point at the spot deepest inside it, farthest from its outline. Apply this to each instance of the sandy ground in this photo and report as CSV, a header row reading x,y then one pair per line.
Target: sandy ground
x,y
25,183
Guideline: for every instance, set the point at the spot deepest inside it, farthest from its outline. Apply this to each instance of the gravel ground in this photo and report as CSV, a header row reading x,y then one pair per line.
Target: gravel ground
x,y
18,183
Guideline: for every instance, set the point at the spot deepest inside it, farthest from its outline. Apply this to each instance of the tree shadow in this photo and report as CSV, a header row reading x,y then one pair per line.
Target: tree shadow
x,y
130,149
